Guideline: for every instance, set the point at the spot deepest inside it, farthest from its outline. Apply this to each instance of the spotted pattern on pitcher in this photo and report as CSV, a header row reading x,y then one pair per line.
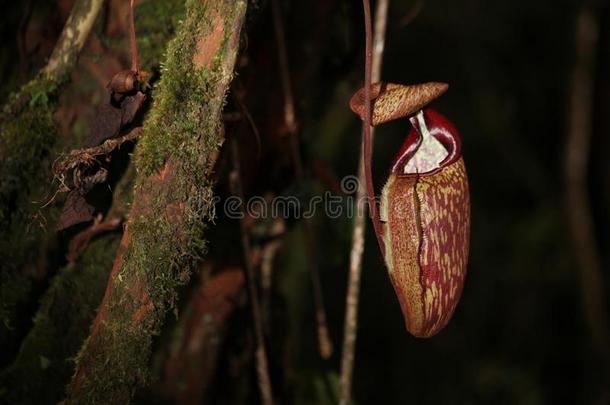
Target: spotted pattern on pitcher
x,y
445,224
426,232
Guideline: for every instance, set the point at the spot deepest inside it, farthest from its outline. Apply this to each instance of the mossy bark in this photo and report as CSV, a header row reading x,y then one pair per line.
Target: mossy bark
x,y
27,128
28,133
172,200
28,142
43,366
45,363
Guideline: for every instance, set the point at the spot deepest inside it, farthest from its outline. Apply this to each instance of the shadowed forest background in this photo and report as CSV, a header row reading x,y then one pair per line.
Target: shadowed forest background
x,y
528,85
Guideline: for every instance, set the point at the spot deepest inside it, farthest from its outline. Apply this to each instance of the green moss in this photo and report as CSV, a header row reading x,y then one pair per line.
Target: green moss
x,y
28,143
42,368
44,363
27,135
28,131
26,139
183,128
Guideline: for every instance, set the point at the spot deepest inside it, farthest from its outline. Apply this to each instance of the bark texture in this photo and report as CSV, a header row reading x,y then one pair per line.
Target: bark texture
x,y
28,134
172,201
29,143
44,363
190,368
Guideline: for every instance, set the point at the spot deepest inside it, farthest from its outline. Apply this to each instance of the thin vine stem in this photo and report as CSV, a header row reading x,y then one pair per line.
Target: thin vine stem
x,y
132,39
368,171
359,229
325,345
577,195
260,355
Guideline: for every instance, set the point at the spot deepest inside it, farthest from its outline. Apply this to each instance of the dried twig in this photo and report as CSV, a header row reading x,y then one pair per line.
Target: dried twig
x,y
75,166
289,115
87,157
73,37
269,252
262,369
373,73
244,113
324,342
135,66
577,197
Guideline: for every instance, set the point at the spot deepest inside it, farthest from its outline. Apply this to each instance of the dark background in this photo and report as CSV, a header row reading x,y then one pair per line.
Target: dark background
x,y
521,333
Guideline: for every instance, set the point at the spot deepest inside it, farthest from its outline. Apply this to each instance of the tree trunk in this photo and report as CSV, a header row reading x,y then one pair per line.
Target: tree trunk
x,y
28,134
172,200
42,367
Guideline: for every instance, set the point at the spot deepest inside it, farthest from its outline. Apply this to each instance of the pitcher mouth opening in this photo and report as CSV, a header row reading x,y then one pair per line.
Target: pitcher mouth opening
x,y
432,143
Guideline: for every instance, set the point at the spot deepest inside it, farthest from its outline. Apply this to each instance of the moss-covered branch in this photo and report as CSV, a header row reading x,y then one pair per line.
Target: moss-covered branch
x,y
26,172
28,140
43,365
172,200
42,368
72,39
28,133
27,128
